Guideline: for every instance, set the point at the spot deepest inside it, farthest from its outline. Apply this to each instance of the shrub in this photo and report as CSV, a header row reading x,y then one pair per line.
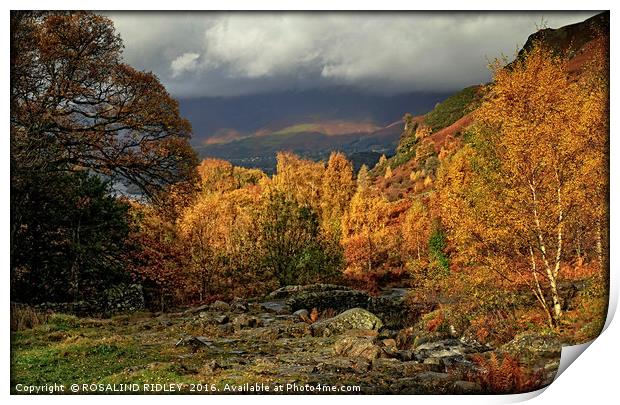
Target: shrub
x,y
496,327
436,245
436,322
503,376
431,164
26,317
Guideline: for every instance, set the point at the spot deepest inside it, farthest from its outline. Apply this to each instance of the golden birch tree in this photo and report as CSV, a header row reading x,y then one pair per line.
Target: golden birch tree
x,y
516,187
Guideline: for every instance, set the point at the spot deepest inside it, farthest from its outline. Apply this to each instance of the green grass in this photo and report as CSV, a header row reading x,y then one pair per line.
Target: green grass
x,y
61,322
442,116
453,108
68,350
123,350
85,362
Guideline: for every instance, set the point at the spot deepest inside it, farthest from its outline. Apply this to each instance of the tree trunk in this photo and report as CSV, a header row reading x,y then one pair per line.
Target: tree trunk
x,y
551,273
74,281
579,249
555,296
538,293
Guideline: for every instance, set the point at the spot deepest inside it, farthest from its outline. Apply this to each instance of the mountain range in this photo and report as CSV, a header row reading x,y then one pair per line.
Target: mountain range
x,y
249,130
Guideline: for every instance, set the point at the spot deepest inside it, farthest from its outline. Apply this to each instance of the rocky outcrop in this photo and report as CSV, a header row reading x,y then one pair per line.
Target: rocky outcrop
x,y
466,387
195,342
447,351
410,338
246,321
393,311
219,306
357,346
79,308
239,305
354,345
303,315
356,318
123,298
537,352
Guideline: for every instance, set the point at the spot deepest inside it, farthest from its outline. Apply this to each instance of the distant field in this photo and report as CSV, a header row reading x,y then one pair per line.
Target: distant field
x,y
329,128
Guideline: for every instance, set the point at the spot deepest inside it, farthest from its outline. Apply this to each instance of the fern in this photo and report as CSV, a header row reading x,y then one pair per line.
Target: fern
x,y
503,376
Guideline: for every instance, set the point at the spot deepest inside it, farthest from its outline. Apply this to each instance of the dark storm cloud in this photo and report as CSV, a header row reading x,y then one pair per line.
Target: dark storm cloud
x,y
213,54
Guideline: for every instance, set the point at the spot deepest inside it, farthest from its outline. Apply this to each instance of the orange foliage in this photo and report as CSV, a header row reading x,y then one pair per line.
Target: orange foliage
x,y
416,230
70,82
371,235
434,324
337,188
299,179
503,376
512,196
314,315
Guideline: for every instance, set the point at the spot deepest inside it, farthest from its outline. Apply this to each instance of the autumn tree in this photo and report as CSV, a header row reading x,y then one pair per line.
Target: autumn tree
x,y
516,192
220,231
416,231
337,188
370,234
159,258
241,225
290,239
204,227
363,178
591,200
76,108
216,175
299,179
310,198
75,105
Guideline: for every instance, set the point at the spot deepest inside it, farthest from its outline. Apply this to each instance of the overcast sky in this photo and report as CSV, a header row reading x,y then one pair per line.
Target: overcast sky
x,y
224,54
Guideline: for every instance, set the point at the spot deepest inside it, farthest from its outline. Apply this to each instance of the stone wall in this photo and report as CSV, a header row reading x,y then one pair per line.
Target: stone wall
x,y
116,299
391,310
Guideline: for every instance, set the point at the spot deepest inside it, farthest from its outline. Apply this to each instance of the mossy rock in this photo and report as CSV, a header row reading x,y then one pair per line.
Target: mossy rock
x,y
356,318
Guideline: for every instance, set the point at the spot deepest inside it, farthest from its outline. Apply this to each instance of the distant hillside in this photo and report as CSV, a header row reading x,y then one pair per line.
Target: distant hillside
x,y
251,113
315,141
249,130
333,128
429,136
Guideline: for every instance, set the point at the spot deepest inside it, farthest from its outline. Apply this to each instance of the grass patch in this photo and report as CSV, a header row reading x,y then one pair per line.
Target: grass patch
x,y
453,108
154,373
62,322
586,319
68,350
81,362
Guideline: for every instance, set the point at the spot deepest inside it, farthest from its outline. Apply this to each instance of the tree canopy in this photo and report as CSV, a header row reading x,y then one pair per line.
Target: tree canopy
x,y
83,123
75,105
